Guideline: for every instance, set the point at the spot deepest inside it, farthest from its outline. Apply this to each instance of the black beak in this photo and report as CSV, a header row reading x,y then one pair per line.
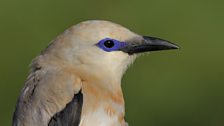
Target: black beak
x,y
148,44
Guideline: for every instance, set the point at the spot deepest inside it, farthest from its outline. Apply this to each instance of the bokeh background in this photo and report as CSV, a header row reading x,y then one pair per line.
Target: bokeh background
x,y
182,87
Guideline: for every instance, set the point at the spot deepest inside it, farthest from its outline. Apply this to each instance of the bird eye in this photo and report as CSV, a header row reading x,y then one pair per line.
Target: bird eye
x,y
109,43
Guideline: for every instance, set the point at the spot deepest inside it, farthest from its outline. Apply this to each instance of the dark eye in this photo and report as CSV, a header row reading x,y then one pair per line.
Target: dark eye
x,y
109,43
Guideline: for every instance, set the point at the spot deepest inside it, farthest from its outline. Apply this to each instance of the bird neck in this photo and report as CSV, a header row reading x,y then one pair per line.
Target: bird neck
x,y
102,99
104,86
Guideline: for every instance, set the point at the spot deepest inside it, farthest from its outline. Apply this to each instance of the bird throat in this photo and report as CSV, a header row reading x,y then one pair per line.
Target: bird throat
x,y
102,102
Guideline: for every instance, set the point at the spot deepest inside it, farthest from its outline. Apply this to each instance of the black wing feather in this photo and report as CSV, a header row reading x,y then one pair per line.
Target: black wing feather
x,y
71,114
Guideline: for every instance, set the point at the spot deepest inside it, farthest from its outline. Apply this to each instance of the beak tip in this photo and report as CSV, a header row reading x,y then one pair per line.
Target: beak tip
x,y
174,46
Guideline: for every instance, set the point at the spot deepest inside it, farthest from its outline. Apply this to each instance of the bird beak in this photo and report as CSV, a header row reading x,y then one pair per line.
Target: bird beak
x,y
148,44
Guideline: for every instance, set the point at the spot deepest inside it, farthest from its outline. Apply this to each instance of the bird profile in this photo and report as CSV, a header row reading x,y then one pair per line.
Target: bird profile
x,y
76,80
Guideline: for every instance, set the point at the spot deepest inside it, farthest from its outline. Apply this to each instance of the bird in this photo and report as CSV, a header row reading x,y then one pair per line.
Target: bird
x,y
76,79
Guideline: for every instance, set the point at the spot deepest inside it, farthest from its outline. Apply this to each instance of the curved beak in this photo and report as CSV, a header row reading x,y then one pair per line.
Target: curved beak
x,y
148,44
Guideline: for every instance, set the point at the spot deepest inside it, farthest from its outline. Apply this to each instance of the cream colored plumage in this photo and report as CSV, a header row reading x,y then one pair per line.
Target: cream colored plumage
x,y
74,63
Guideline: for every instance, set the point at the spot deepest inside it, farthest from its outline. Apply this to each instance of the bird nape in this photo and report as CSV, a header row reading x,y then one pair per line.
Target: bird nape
x,y
76,80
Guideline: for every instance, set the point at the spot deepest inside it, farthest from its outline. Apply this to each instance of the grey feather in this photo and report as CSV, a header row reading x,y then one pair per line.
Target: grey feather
x,y
48,94
70,115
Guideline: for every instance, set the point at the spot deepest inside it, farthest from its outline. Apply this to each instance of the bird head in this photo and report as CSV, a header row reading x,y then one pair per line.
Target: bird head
x,y
104,48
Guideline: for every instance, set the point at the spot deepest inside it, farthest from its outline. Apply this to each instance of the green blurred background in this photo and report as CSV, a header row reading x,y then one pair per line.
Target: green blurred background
x,y
172,88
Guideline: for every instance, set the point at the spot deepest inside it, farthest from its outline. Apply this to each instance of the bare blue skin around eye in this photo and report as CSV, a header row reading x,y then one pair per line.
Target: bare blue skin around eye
x,y
117,45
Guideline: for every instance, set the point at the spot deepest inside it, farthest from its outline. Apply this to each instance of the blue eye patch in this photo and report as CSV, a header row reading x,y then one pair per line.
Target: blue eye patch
x,y
108,44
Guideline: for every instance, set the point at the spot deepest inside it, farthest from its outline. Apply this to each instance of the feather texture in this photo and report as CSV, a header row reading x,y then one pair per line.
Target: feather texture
x,y
70,115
